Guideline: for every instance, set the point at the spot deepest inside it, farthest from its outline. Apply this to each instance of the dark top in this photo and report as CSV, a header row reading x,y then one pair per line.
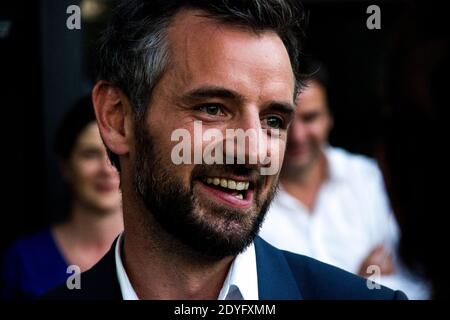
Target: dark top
x,y
281,275
31,266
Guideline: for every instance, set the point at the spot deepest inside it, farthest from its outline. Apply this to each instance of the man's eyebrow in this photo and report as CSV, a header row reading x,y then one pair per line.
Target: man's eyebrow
x,y
213,92
225,93
283,107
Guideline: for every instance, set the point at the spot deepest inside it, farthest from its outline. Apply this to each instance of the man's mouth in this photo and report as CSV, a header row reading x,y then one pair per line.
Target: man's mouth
x,y
237,193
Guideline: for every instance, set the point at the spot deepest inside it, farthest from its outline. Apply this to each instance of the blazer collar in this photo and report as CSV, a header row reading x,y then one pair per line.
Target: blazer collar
x,y
275,278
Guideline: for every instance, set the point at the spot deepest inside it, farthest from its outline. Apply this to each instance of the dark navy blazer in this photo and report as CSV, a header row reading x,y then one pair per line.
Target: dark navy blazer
x,y
281,275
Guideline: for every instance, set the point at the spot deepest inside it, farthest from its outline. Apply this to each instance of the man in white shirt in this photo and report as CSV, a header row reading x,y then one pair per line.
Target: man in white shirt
x,y
332,204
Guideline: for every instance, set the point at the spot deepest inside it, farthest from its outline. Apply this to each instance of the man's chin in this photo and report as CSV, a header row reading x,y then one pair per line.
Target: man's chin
x,y
216,237
225,231
226,220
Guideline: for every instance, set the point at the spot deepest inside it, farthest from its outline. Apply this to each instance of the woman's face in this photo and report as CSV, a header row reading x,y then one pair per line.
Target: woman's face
x,y
94,181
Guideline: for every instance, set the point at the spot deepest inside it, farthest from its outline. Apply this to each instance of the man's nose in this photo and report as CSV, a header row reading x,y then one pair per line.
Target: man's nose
x,y
250,144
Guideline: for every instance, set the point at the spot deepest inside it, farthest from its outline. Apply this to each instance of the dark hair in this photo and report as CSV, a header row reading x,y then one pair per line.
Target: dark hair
x,y
315,70
73,123
133,51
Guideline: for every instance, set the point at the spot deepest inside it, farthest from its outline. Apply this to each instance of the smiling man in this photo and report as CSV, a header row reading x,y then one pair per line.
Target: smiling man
x,y
190,229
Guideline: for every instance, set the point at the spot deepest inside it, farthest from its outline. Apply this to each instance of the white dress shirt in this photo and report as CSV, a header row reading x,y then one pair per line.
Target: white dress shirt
x,y
351,216
241,282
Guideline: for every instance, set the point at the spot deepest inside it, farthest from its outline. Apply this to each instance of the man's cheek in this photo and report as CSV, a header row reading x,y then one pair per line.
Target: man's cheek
x,y
282,151
187,145
181,147
183,172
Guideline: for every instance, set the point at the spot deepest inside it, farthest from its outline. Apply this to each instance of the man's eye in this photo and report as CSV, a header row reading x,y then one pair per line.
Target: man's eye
x,y
211,109
274,122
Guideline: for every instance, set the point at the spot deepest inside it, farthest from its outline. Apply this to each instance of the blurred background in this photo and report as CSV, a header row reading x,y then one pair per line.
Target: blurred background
x,y
45,67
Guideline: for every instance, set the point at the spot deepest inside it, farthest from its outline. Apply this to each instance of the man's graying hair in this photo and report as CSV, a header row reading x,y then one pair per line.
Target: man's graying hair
x,y
133,52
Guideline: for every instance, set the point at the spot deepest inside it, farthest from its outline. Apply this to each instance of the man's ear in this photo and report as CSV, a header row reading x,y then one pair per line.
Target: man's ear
x,y
113,116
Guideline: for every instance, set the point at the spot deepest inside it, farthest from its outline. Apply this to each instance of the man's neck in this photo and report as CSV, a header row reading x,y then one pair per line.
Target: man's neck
x,y
305,184
160,267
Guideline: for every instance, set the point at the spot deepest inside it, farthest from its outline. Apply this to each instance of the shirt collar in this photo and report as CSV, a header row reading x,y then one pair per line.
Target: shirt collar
x,y
128,292
241,282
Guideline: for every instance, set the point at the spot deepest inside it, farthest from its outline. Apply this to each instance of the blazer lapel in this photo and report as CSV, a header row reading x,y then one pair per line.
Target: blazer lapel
x,y
275,278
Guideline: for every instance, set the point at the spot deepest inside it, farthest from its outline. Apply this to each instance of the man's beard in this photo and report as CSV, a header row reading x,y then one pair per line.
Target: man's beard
x,y
207,228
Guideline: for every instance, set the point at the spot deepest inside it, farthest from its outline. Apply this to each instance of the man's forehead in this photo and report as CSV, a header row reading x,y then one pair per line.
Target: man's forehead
x,y
202,47
196,27
189,21
191,17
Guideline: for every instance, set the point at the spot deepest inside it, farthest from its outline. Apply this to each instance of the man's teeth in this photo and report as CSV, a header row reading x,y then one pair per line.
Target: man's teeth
x,y
239,196
228,183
